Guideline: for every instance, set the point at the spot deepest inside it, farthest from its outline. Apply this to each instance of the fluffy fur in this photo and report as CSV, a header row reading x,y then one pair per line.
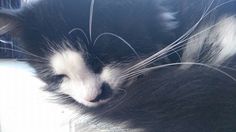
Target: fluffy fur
x,y
73,44
96,54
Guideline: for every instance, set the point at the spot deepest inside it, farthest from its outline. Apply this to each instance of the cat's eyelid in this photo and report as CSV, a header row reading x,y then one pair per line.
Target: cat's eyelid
x,y
61,76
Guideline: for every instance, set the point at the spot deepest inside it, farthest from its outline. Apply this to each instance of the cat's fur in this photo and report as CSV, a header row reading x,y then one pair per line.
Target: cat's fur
x,y
96,55
89,43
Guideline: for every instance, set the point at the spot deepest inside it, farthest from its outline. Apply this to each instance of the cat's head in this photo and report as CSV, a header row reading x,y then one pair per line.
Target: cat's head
x,y
70,67
81,54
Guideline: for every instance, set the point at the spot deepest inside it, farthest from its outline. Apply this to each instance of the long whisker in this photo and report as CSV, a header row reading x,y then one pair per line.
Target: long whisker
x,y
226,67
19,49
6,28
82,31
195,25
153,58
32,60
91,19
220,5
163,51
114,35
5,42
176,64
180,47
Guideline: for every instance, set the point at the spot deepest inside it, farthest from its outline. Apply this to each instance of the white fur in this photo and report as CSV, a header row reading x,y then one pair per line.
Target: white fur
x,y
220,41
226,39
170,20
81,83
25,107
29,1
111,75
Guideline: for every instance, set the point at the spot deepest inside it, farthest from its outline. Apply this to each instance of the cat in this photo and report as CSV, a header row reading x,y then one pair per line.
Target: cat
x,y
111,58
68,44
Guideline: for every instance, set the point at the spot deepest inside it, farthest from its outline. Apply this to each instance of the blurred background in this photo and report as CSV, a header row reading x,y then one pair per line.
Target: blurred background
x,y
7,45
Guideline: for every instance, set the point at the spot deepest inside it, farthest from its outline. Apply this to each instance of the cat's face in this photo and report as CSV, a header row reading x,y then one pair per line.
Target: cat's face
x,y
77,78
82,49
74,70
83,76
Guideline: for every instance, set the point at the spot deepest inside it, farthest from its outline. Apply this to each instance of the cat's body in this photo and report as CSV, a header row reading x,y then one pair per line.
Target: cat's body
x,y
95,54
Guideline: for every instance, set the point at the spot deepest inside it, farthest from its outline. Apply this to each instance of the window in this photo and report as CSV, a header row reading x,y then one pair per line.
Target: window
x,y
5,46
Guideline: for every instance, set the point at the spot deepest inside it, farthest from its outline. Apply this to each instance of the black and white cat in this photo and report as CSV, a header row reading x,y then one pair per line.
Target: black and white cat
x,y
88,44
130,64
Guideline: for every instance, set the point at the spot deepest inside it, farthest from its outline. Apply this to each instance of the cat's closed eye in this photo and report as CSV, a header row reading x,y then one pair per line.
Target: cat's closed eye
x,y
58,78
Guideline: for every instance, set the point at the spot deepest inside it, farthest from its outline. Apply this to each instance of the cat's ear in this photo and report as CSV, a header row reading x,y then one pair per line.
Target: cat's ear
x,y
10,23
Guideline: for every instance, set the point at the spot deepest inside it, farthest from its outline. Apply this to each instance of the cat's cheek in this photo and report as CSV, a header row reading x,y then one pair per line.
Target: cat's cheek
x,y
112,76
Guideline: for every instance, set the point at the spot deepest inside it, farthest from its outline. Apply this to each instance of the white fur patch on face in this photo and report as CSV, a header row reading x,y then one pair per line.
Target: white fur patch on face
x,y
112,76
69,62
81,83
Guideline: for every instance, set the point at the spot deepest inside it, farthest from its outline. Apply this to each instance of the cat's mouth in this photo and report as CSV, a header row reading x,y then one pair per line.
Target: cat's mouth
x,y
103,97
95,103
94,100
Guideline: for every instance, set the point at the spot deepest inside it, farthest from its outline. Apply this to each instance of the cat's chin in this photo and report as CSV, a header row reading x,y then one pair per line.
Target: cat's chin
x,y
93,104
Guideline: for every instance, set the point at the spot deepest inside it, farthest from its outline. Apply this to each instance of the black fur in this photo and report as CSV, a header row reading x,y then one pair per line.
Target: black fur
x,y
198,99
48,23
137,21
173,100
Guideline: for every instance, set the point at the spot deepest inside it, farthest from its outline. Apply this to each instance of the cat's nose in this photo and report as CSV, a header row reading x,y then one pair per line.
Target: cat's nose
x,y
106,92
